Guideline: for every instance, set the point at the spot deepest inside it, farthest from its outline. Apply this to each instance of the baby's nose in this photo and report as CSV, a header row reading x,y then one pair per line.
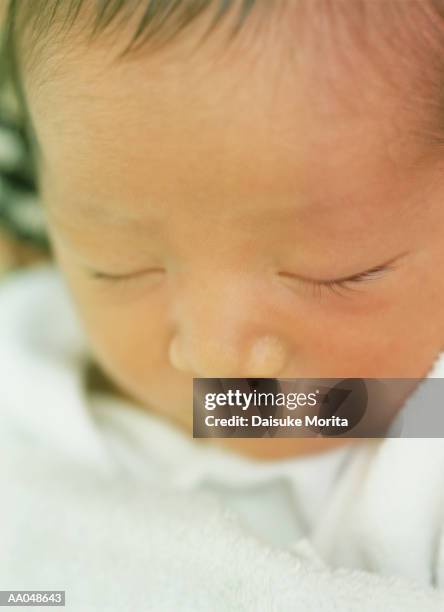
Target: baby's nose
x,y
218,357
223,327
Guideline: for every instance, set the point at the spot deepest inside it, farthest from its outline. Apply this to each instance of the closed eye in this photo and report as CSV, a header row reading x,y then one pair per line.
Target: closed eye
x,y
120,278
343,285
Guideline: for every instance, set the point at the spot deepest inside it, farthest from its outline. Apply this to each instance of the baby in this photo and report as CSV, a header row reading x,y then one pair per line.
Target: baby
x,y
242,189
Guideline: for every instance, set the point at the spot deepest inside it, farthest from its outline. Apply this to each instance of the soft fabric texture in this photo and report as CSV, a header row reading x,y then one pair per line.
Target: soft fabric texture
x,y
126,513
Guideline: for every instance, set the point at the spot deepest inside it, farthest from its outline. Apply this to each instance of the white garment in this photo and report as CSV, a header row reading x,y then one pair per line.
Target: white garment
x,y
126,513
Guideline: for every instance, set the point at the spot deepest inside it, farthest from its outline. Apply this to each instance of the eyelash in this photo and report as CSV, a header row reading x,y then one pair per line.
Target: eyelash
x,y
342,287
123,278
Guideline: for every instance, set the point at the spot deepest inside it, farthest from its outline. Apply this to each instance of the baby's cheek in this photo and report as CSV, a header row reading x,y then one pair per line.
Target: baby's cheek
x,y
130,347
130,340
400,339
127,337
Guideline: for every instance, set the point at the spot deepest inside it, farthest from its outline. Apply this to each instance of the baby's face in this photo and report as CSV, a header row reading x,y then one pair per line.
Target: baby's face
x,y
203,207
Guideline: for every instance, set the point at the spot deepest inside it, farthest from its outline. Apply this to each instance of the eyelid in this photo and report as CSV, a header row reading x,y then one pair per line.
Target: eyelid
x,y
352,278
105,276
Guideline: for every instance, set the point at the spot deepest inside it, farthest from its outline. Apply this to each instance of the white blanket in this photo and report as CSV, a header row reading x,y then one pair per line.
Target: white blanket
x,y
125,513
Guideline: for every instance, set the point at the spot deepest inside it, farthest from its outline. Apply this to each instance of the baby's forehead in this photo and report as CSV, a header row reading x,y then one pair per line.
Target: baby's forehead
x,y
242,137
329,62
397,43
190,139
